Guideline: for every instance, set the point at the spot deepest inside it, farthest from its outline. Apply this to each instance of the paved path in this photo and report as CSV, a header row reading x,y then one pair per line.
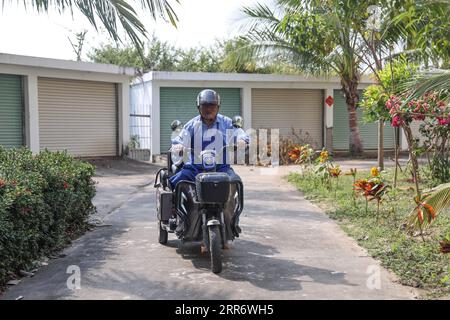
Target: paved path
x,y
289,249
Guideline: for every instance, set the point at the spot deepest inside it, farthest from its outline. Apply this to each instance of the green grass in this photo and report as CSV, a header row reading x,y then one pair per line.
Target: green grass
x,y
416,262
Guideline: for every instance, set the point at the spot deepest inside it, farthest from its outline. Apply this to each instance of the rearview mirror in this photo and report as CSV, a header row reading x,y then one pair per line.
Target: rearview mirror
x,y
176,125
238,122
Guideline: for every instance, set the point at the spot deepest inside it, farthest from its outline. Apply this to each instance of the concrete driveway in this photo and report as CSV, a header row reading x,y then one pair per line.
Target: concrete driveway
x,y
289,249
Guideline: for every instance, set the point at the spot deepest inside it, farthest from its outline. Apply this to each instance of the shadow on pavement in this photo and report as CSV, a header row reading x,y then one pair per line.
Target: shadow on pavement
x,y
255,263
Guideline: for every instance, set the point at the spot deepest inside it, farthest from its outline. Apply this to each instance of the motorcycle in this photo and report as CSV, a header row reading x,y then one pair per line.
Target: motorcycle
x,y
205,211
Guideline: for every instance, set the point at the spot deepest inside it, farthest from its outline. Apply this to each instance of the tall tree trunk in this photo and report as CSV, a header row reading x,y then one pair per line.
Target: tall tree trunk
x,y
350,89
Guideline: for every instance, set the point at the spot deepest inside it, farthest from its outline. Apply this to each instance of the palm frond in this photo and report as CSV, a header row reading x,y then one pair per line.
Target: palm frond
x,y
267,45
424,26
286,34
110,13
439,197
260,16
432,203
164,8
426,82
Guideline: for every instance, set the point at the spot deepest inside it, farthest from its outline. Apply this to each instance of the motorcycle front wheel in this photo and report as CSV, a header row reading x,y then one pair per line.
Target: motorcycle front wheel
x,y
215,243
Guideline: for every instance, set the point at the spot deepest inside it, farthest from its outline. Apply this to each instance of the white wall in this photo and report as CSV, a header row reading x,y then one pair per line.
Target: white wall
x,y
123,97
328,118
31,112
155,116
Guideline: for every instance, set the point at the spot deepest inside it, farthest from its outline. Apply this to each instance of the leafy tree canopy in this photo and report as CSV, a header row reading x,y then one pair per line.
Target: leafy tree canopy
x,y
162,56
394,77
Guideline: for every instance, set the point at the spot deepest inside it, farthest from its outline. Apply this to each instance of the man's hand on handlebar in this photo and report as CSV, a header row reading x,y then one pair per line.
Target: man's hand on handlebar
x,y
177,148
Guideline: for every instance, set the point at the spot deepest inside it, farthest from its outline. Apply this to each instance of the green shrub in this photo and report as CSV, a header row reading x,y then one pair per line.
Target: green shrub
x,y
45,201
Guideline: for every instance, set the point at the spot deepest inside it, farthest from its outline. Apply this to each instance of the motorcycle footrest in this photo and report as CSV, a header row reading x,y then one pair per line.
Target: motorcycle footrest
x,y
167,228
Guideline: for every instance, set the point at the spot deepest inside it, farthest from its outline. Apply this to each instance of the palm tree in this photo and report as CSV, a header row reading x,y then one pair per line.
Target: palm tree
x,y
315,39
343,37
110,13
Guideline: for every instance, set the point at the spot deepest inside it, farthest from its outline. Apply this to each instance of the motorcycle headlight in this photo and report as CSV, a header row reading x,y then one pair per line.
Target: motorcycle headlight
x,y
209,161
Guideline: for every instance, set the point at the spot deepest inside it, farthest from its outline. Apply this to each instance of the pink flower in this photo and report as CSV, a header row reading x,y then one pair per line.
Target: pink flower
x,y
444,122
396,121
389,104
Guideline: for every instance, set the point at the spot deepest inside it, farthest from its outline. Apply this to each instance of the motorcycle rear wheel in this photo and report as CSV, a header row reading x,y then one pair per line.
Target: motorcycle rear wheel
x,y
215,243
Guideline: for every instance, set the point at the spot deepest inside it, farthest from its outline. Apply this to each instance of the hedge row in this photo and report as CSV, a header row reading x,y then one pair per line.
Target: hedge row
x,y
45,201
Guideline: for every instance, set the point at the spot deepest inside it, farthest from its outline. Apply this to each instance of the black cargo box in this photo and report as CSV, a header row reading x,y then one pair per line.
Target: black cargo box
x,y
164,204
213,187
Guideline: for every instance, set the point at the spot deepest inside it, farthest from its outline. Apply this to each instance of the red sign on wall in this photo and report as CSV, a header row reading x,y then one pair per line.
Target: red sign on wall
x,y
329,101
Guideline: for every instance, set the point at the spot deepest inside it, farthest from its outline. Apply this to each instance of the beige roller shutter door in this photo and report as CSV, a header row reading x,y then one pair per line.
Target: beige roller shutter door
x,y
78,116
289,108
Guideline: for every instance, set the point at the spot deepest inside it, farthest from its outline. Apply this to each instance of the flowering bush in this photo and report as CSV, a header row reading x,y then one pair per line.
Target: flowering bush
x,y
374,172
325,168
289,142
431,105
435,146
44,201
335,172
294,154
434,110
323,157
373,188
301,154
369,188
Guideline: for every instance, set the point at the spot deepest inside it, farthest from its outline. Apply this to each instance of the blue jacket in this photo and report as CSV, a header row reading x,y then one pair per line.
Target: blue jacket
x,y
197,136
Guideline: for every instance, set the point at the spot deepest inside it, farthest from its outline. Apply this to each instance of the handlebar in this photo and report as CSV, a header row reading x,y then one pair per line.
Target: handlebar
x,y
187,149
208,157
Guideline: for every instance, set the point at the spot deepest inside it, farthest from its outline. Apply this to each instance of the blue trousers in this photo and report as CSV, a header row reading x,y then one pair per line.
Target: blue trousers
x,y
189,171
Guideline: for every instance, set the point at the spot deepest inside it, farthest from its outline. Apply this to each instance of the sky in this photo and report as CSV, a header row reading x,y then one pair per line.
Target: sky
x,y
26,32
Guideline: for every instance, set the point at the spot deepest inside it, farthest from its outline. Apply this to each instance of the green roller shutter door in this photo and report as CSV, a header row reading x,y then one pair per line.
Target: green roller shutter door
x,y
11,111
368,131
179,103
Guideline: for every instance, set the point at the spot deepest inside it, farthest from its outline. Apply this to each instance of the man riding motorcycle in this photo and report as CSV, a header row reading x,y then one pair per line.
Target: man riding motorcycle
x,y
208,130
